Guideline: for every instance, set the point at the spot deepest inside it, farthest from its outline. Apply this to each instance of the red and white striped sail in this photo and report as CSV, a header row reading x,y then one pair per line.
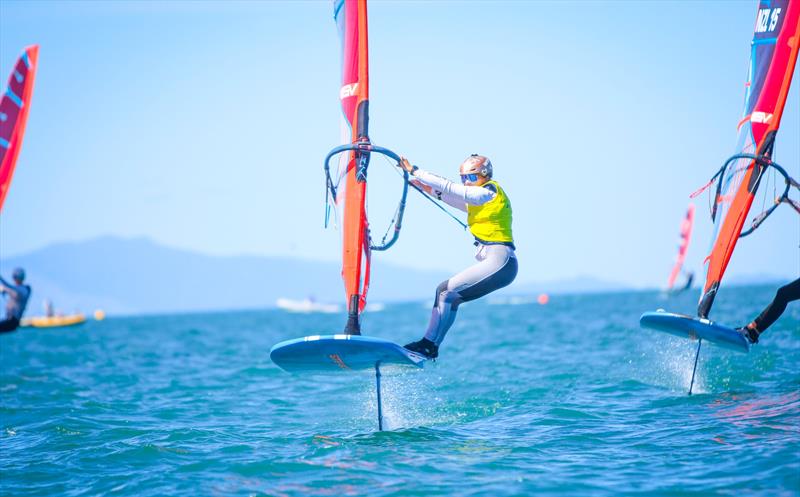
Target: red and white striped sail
x,y
14,107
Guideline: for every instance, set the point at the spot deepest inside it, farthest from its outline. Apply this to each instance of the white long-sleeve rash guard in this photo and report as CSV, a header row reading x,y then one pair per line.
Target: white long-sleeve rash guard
x,y
453,194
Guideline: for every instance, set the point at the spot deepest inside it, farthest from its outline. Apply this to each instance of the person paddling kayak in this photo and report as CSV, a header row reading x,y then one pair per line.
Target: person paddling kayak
x,y
489,218
17,296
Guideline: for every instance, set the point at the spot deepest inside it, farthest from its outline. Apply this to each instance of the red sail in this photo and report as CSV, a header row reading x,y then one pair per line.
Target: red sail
x,y
351,19
14,107
686,235
772,61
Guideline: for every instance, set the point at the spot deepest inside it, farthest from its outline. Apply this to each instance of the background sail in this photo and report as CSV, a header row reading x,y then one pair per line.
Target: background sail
x,y
14,107
686,234
772,60
351,20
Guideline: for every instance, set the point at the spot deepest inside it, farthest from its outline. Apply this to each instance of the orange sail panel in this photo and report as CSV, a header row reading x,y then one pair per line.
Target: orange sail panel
x,y
772,61
351,19
14,107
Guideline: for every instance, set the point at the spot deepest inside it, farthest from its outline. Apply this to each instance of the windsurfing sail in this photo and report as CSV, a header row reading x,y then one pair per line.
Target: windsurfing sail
x,y
14,107
347,184
351,20
772,60
686,235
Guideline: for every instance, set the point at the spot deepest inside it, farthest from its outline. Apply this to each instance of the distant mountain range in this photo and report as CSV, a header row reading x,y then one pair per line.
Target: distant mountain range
x,y
133,276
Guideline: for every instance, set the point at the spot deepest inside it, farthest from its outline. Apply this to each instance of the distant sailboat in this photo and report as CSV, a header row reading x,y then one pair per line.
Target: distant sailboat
x,y
305,306
683,248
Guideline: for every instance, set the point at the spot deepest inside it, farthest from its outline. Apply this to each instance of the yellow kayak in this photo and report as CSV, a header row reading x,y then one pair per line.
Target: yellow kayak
x,y
54,321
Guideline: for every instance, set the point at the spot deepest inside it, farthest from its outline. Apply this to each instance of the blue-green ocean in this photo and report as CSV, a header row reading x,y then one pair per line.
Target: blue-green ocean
x,y
568,398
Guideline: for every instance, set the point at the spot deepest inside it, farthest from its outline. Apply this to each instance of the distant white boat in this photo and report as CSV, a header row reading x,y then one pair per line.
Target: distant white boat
x,y
306,306
376,307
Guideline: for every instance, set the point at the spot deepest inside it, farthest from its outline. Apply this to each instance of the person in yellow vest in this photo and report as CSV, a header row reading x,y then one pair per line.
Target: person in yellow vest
x,y
489,218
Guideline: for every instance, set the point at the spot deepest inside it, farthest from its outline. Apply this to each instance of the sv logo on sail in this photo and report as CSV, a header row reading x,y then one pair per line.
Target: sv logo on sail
x,y
767,20
760,117
348,91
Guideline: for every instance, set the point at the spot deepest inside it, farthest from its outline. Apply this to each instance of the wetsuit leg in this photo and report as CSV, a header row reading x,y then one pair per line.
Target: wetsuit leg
x,y
773,311
497,269
9,324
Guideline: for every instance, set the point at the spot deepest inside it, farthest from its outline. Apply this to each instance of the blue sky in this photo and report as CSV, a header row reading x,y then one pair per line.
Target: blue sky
x,y
203,125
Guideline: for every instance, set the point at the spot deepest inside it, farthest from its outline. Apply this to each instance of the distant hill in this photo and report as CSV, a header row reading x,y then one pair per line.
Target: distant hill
x,y
133,276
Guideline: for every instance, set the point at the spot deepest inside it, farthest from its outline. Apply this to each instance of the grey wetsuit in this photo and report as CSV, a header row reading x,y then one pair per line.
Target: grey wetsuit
x,y
496,268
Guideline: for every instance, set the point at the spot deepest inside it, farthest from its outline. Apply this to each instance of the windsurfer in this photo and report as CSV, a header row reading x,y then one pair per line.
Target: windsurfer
x,y
17,295
787,293
489,217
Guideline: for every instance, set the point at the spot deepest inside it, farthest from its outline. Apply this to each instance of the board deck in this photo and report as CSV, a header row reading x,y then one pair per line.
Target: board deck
x,y
332,353
695,328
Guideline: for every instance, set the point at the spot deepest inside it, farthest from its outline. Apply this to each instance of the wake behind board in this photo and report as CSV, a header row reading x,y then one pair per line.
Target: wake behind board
x,y
332,353
695,328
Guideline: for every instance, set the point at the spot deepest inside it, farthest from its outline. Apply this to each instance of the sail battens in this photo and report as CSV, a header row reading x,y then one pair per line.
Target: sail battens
x,y
14,98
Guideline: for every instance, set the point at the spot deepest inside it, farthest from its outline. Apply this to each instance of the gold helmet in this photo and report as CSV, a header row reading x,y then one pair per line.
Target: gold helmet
x,y
476,164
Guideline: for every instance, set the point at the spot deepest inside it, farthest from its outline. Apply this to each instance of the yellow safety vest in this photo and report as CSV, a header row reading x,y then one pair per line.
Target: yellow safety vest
x,y
491,222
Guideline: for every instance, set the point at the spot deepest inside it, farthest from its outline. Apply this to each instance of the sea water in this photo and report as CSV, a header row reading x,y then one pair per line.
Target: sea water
x,y
568,398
